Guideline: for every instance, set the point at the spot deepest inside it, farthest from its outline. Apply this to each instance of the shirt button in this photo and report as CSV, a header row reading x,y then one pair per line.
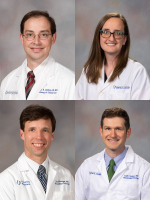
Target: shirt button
x,y
101,93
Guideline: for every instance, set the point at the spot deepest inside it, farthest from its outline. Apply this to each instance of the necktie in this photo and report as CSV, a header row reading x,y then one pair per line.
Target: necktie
x,y
41,175
30,83
111,171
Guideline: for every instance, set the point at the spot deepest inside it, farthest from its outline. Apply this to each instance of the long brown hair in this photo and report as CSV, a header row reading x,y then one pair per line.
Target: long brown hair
x,y
93,66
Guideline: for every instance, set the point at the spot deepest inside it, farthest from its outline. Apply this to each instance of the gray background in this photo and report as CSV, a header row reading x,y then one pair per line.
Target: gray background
x,y
12,53
62,149
88,14
87,122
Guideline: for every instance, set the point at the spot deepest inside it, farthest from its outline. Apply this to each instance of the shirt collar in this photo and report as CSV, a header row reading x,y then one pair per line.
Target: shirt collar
x,y
38,70
117,160
35,166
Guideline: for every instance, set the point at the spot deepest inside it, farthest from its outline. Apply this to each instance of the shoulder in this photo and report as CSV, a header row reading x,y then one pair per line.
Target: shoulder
x,y
61,71
8,175
12,74
60,169
141,162
92,161
134,65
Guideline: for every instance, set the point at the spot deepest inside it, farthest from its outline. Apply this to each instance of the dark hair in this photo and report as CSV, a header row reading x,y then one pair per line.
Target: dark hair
x,y
116,112
93,66
36,14
35,112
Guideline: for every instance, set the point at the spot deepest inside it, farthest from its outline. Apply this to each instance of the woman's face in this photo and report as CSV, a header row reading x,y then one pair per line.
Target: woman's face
x,y
111,45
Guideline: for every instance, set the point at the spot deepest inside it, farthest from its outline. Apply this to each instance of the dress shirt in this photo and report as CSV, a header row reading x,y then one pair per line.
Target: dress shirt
x,y
38,70
117,160
35,166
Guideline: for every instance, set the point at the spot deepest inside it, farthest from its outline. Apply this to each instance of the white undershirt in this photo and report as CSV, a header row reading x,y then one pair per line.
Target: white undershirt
x,y
35,166
37,71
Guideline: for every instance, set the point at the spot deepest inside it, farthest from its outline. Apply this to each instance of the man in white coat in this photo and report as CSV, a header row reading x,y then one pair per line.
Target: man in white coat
x,y
34,176
39,77
117,172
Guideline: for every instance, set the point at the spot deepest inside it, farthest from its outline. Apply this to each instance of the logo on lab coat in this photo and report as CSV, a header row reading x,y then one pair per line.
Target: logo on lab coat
x,y
95,173
131,177
48,91
121,87
62,182
11,92
23,182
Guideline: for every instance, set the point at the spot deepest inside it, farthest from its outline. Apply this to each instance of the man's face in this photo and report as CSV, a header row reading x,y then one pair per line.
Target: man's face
x,y
37,50
37,136
114,135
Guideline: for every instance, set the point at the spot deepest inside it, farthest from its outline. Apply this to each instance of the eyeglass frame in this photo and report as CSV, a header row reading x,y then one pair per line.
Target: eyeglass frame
x,y
35,35
101,31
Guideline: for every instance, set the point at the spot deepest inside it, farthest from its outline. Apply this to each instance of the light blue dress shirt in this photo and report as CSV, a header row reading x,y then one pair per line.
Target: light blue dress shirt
x,y
117,160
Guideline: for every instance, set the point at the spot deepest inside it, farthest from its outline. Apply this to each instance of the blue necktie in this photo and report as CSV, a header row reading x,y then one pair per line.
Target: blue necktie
x,y
42,176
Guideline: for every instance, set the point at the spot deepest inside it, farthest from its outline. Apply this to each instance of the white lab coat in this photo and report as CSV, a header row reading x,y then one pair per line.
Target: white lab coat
x,y
132,84
55,83
19,182
131,180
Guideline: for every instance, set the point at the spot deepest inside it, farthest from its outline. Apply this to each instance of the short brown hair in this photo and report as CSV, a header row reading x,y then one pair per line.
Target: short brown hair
x,y
93,66
116,112
36,14
35,112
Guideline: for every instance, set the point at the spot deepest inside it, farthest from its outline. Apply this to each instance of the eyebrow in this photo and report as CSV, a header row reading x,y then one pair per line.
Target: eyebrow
x,y
109,29
33,31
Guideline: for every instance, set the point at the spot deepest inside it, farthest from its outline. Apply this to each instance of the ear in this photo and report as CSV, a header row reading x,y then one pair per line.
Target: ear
x,y
128,132
21,134
101,131
21,38
52,136
54,38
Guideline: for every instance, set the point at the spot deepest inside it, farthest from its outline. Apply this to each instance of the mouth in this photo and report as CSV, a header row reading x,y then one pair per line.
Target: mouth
x,y
113,141
36,49
110,44
38,145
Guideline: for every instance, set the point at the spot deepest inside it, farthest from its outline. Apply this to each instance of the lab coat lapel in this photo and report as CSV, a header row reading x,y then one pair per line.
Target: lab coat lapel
x,y
42,81
102,167
52,171
31,176
21,75
105,84
124,164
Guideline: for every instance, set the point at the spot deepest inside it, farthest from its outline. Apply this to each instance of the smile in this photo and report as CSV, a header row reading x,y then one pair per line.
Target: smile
x,y
38,145
111,44
36,49
112,140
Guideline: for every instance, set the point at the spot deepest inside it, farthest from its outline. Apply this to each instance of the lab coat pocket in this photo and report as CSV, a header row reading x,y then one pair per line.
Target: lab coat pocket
x,y
119,96
63,195
130,189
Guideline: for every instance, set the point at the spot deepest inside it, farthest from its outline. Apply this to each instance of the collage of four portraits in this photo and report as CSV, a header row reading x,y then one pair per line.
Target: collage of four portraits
x,y
54,54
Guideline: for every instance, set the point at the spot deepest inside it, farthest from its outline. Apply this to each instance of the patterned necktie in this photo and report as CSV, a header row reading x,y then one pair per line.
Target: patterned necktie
x,y
111,171
41,175
30,83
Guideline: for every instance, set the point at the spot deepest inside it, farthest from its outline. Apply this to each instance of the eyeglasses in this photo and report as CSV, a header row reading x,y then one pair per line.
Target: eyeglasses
x,y
116,34
31,36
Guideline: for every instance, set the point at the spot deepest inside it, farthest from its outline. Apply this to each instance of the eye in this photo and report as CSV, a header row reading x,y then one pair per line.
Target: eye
x,y
43,34
118,129
105,32
31,129
29,35
118,33
107,128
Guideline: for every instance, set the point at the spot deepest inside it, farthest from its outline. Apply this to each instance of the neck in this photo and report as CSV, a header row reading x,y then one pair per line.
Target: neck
x,y
110,64
32,64
113,154
37,159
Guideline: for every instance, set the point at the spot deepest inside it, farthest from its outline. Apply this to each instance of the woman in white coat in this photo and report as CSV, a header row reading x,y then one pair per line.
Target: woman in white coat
x,y
109,73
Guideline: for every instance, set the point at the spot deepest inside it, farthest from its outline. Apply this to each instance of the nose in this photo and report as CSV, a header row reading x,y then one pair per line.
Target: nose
x,y
37,40
111,38
39,134
113,133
